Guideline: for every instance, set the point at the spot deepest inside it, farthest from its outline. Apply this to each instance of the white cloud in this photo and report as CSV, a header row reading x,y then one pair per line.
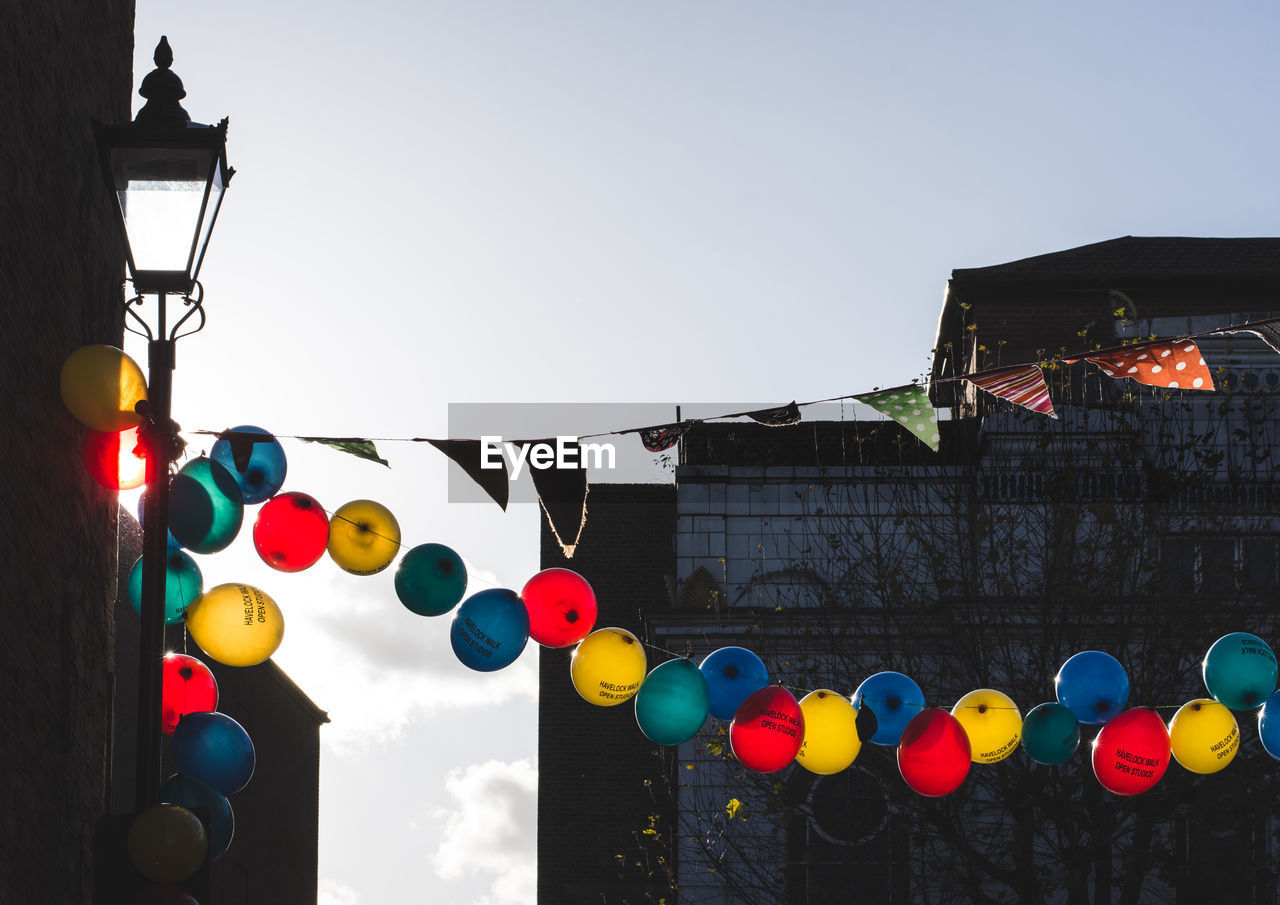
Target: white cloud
x,y
376,667
492,830
331,892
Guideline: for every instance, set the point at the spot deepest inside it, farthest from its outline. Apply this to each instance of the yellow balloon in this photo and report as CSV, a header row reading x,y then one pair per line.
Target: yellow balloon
x,y
100,387
364,537
992,722
608,666
236,624
1204,736
831,740
167,843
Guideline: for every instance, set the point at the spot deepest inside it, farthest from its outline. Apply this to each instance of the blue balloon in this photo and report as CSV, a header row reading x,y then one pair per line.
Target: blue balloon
x,y
1093,685
194,793
490,629
733,674
1269,725
894,699
183,583
214,748
264,470
1240,670
1050,734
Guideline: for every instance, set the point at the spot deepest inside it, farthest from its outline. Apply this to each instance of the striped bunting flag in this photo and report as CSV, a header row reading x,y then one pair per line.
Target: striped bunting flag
x,y
1021,384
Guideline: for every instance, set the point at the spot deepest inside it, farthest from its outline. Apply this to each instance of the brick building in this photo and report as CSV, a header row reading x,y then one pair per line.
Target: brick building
x,y
68,665
1142,523
62,64
594,779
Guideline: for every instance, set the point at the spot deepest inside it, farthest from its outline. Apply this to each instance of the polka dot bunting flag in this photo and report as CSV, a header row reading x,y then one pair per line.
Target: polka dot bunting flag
x,y
1177,365
909,406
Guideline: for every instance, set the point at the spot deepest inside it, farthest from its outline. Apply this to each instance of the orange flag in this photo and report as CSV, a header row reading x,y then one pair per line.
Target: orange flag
x,y
1175,364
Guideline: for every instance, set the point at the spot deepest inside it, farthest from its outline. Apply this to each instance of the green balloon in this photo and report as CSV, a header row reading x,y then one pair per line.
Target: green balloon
x,y
206,507
1050,733
1240,671
672,703
431,580
183,583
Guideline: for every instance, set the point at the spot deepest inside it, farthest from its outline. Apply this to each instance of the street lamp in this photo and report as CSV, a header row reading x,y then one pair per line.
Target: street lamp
x,y
167,175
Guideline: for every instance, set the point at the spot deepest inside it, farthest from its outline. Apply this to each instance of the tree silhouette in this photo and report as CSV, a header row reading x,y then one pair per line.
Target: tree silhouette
x,y
1144,525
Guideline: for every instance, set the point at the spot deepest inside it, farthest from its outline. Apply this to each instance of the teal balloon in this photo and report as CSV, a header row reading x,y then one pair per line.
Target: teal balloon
x,y
1050,733
183,583
672,703
431,580
1240,671
190,792
206,507
264,469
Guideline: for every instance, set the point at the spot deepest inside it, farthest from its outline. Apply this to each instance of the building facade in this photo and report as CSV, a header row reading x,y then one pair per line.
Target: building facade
x,y
1143,523
68,651
63,64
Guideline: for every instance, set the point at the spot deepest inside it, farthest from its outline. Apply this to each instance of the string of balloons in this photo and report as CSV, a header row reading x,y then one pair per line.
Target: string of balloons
x,y
769,727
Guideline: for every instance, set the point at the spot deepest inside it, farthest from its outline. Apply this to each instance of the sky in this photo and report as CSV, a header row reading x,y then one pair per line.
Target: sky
x,y
666,203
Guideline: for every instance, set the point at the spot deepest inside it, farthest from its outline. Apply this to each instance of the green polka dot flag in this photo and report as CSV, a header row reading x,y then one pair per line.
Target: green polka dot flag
x,y
909,406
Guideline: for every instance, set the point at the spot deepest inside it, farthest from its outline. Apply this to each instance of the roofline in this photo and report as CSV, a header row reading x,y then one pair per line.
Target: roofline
x,y
1094,280
285,682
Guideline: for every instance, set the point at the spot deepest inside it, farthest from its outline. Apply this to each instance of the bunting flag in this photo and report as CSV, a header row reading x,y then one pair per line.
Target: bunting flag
x,y
909,406
1175,364
1267,331
663,436
562,492
241,443
356,446
1020,384
776,417
467,454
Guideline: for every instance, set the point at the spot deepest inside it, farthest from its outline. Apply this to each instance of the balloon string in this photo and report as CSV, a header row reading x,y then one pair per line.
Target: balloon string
x,y
403,546
884,700
686,656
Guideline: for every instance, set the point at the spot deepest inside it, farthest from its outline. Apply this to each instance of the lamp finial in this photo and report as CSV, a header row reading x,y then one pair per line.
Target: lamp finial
x,y
163,89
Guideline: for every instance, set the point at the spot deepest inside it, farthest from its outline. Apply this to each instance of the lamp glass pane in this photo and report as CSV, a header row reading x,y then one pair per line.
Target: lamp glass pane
x,y
216,188
161,193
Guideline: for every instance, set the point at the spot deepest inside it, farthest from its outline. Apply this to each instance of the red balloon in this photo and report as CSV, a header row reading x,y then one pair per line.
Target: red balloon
x,y
562,607
291,532
188,687
111,461
933,753
1131,752
768,730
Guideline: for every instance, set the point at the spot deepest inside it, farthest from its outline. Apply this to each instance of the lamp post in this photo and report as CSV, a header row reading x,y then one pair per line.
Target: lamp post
x,y
167,175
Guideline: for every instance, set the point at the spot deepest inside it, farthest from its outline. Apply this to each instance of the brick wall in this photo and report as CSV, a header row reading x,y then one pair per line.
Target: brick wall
x,y
61,64
593,762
